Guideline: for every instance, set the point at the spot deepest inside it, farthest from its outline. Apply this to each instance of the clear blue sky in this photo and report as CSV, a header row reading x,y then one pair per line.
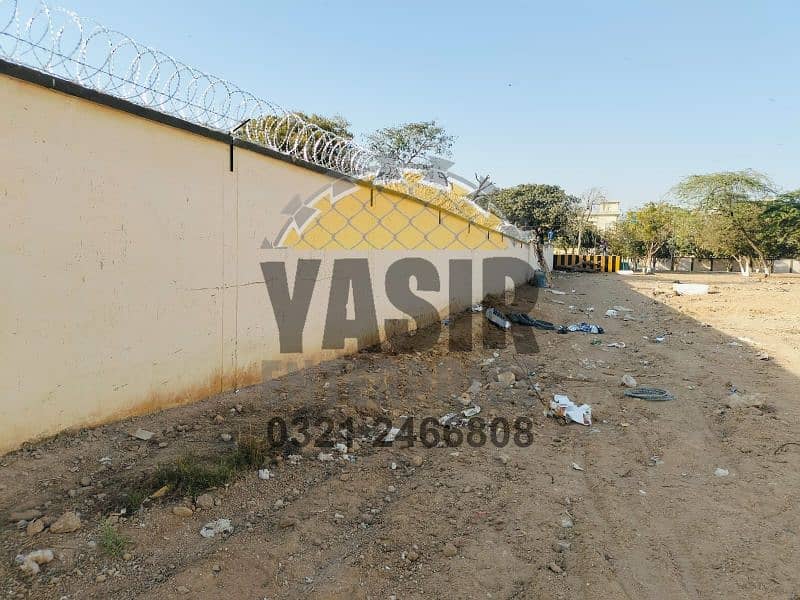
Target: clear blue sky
x,y
628,96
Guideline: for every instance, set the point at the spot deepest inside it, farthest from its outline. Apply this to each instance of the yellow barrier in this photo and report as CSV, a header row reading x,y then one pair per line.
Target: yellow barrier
x,y
605,264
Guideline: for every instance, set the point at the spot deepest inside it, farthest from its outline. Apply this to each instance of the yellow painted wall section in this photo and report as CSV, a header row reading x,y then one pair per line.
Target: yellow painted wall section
x,y
131,258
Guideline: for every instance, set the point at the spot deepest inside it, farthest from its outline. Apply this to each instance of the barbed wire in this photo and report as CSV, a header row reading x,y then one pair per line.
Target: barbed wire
x,y
58,42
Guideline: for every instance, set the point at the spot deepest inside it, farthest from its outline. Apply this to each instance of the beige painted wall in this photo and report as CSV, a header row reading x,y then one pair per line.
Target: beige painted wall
x,y
131,259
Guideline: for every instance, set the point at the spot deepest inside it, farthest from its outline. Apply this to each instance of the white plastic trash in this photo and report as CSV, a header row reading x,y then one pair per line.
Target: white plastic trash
x,y
690,289
562,406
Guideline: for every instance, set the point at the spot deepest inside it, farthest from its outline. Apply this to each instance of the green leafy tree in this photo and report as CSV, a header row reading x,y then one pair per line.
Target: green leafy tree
x,y
537,207
781,224
737,198
412,144
644,232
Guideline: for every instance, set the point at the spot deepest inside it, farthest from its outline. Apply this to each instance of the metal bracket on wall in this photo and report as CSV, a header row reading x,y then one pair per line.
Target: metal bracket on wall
x,y
233,131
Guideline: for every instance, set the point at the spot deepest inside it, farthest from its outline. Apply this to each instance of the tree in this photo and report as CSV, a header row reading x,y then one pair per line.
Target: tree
x,y
735,197
535,206
589,199
298,133
644,232
412,144
781,223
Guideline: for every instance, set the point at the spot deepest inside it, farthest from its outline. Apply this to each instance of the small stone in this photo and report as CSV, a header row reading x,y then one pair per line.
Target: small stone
x,y
367,518
100,578
219,419
566,522
143,434
216,568
72,493
503,458
719,472
205,501
66,523
162,444
279,503
629,381
34,527
24,515
507,378
561,546
554,568
417,460
182,511
85,481
391,489
182,589
465,399
239,408
286,522
226,437
449,550
412,556
127,556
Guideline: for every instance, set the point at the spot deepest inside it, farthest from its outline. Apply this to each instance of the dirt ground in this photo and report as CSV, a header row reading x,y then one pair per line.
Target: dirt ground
x,y
649,512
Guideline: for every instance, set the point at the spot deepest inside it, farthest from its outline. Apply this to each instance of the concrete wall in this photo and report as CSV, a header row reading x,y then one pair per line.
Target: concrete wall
x,y
131,255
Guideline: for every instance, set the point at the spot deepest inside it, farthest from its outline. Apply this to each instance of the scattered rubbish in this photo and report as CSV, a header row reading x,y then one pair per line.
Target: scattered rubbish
x,y
450,420
734,344
690,289
720,472
105,460
562,406
596,342
143,434
264,474
566,522
650,394
471,412
577,467
497,318
655,461
612,313
29,563
324,457
486,362
624,272
557,292
390,437
585,328
763,356
629,381
616,345
660,339
211,529
622,309
446,322
474,387
476,308
340,447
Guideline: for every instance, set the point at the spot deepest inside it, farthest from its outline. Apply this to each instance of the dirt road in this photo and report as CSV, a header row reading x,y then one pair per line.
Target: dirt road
x,y
689,498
